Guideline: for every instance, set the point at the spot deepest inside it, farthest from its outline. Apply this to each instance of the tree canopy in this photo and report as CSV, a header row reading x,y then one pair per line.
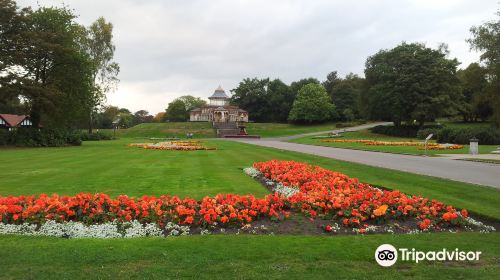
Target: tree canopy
x,y
312,105
411,82
486,38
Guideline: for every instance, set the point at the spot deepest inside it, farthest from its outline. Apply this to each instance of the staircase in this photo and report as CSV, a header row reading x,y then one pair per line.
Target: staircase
x,y
225,128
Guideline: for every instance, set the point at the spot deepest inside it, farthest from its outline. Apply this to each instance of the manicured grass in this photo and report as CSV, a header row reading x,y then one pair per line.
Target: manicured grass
x,y
367,135
284,129
242,257
114,168
205,130
170,129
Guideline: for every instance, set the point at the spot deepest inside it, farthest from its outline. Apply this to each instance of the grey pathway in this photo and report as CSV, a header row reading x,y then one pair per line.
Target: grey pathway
x,y
469,172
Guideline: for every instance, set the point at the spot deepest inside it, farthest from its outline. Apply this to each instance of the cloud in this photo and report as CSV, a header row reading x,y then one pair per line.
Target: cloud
x,y
167,49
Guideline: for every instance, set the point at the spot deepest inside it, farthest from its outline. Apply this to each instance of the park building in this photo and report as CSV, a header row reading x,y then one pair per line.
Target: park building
x,y
218,110
11,122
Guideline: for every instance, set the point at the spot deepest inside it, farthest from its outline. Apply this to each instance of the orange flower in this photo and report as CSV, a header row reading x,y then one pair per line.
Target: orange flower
x,y
464,213
381,210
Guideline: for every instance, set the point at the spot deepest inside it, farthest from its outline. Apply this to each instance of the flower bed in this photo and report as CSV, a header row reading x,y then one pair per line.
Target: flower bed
x,y
194,145
298,189
334,196
419,145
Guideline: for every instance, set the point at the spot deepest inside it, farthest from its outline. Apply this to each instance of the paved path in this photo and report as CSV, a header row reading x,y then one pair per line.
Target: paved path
x,y
354,128
469,172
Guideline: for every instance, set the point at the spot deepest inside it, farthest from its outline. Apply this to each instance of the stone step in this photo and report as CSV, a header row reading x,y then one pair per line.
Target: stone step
x,y
224,132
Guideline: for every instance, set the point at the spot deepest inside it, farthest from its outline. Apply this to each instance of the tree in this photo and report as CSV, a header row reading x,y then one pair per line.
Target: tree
x,y
312,105
331,80
192,102
97,42
176,111
279,101
411,82
474,102
486,38
265,100
345,94
251,95
160,117
142,116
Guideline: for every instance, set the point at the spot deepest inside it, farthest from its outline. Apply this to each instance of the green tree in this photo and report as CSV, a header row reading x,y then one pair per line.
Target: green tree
x,y
192,102
97,42
176,111
251,95
312,105
474,103
331,80
345,94
486,38
411,82
142,116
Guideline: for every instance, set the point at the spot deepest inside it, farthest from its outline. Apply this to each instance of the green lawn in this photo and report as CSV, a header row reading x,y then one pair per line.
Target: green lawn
x,y
241,257
368,135
205,130
114,168
170,129
284,129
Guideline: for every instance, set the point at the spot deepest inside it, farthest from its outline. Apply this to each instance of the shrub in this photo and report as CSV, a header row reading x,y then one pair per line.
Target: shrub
x,y
424,132
32,137
486,136
408,131
85,136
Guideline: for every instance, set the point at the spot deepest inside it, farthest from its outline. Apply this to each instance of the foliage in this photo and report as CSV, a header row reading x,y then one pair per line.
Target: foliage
x,y
192,102
486,136
312,105
409,131
176,111
475,101
345,94
486,38
96,136
97,43
410,82
31,137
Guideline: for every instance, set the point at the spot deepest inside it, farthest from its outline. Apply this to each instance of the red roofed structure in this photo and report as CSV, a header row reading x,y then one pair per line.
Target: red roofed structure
x,y
10,121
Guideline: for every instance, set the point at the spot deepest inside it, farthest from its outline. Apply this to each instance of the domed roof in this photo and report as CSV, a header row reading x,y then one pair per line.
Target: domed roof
x,y
219,93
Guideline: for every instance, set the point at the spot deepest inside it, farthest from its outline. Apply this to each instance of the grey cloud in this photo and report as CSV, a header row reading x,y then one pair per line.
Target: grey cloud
x,y
170,48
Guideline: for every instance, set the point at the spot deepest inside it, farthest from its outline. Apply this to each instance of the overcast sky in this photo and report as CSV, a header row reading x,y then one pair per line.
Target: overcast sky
x,y
167,49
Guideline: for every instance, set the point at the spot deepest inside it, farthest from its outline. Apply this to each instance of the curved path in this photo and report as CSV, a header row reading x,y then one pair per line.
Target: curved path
x,y
463,171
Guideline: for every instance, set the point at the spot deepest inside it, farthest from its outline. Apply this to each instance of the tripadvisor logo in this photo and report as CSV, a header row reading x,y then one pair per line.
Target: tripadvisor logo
x,y
387,255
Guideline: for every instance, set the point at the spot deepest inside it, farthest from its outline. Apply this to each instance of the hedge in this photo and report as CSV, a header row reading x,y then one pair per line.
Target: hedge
x,y
408,131
32,137
85,136
486,136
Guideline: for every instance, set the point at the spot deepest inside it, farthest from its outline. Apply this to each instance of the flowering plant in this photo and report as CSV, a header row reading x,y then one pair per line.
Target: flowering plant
x,y
194,145
419,145
333,195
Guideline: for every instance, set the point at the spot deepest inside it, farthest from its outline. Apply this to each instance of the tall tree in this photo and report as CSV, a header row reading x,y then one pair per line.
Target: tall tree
x,y
192,102
345,94
331,80
411,82
251,95
176,111
486,38
312,105
473,103
53,73
97,42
